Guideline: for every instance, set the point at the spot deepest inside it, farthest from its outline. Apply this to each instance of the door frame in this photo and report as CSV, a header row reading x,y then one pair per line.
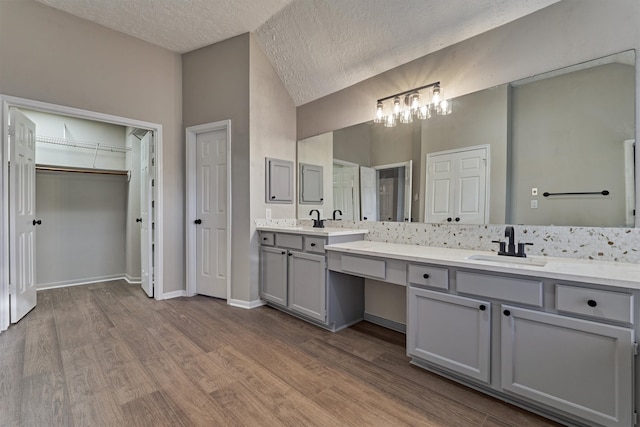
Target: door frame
x,y
12,101
190,201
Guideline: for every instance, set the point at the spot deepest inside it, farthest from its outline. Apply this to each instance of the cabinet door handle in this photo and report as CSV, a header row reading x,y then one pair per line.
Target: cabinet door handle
x,y
482,307
365,218
273,197
283,252
313,244
506,313
425,276
264,238
290,254
592,303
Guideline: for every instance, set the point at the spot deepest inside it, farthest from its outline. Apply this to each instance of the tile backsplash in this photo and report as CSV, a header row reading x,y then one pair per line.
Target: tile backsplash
x,y
598,243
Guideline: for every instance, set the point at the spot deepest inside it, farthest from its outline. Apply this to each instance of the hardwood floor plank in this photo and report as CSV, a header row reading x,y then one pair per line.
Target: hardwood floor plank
x,y
151,410
106,354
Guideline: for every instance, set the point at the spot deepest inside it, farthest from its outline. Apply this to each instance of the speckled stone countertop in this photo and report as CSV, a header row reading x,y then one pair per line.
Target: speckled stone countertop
x,y
617,274
325,232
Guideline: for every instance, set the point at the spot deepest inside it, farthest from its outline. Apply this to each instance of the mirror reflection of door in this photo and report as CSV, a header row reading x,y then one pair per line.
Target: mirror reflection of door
x,y
394,191
346,189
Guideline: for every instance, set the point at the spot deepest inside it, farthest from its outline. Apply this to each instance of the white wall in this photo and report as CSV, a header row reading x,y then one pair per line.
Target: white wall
x,y
317,150
82,236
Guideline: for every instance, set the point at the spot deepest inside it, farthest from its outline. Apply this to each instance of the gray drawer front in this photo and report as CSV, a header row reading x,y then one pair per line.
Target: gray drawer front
x,y
595,303
428,276
314,244
370,267
290,241
503,288
267,239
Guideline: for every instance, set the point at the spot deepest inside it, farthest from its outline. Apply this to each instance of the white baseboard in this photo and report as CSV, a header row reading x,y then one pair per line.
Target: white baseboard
x,y
174,294
79,282
132,280
390,324
245,304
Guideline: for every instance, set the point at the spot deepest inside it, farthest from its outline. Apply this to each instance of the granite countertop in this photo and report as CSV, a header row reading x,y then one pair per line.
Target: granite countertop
x,y
616,274
325,232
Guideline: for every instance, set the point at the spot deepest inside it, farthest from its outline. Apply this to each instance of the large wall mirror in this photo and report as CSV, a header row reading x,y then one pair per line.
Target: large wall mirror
x,y
553,149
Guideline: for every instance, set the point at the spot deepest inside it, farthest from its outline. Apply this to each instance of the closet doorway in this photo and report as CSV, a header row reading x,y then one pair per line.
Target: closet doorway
x,y
100,166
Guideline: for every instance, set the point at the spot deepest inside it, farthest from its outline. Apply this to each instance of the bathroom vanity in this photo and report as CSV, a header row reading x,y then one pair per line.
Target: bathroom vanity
x,y
294,276
555,336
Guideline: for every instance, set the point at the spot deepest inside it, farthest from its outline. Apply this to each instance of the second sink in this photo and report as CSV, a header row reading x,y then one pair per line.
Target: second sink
x,y
508,260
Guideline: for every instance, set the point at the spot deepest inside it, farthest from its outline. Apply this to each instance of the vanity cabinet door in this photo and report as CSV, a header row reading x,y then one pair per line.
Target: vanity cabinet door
x,y
581,367
307,285
450,331
273,275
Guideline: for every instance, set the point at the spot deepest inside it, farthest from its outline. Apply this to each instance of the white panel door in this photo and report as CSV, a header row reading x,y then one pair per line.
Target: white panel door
x,y
457,186
346,191
22,181
471,186
146,189
211,211
368,191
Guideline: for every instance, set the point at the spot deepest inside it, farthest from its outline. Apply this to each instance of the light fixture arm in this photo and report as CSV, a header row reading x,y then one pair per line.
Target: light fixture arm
x,y
407,92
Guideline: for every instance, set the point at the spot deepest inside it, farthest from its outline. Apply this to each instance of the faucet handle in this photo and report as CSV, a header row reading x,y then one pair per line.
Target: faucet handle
x,y
502,249
521,247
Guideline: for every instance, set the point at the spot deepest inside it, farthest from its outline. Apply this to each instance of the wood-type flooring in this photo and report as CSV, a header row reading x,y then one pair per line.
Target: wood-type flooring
x,y
107,355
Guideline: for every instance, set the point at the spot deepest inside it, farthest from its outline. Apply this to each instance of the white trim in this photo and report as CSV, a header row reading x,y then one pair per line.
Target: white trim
x,y
246,304
13,101
132,280
174,294
190,197
66,284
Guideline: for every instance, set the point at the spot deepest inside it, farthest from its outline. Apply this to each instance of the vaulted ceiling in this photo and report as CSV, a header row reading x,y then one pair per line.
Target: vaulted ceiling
x,y
317,47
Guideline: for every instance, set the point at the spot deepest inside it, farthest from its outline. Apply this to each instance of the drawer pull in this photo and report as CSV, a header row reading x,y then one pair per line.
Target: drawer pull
x,y
506,313
482,307
313,244
425,276
283,252
290,254
592,303
265,238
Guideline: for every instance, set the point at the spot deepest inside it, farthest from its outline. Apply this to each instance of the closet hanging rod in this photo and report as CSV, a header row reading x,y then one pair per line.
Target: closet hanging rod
x,y
80,144
603,192
80,170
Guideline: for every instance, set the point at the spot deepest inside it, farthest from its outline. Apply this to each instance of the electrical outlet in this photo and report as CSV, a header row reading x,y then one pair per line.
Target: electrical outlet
x,y
534,192
267,214
534,204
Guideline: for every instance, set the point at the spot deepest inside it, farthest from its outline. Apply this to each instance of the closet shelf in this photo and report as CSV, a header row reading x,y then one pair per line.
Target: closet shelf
x,y
80,144
52,168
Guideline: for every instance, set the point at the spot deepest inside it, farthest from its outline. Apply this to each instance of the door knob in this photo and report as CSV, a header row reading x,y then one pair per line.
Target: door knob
x,y
198,221
138,219
38,222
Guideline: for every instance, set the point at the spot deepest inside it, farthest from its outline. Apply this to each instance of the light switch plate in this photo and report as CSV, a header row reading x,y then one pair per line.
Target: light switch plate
x,y
267,214
534,204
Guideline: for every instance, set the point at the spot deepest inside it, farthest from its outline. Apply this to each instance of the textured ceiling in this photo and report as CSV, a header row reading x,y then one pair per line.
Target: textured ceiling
x,y
317,47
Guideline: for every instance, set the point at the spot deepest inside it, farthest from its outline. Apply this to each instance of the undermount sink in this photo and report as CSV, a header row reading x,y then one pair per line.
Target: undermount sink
x,y
508,260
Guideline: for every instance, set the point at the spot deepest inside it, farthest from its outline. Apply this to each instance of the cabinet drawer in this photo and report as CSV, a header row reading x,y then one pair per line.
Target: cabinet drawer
x,y
595,303
267,239
503,288
314,244
370,267
290,241
428,276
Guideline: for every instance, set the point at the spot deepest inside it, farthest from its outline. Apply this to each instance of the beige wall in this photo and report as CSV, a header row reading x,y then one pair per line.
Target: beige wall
x,y
234,80
48,55
563,34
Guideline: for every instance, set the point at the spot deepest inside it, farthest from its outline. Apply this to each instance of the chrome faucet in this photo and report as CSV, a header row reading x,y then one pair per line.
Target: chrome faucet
x,y
508,248
334,214
317,223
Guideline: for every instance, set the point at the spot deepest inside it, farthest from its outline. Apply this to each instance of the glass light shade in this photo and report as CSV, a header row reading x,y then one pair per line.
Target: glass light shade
x,y
424,112
396,105
415,101
437,95
444,107
379,118
390,121
406,116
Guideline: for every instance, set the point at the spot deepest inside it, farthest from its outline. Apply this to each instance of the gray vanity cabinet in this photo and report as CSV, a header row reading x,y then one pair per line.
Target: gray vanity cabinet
x,y
578,366
450,331
273,275
307,285
294,278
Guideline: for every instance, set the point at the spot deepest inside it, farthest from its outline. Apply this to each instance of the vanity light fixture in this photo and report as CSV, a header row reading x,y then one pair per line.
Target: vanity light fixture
x,y
408,105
